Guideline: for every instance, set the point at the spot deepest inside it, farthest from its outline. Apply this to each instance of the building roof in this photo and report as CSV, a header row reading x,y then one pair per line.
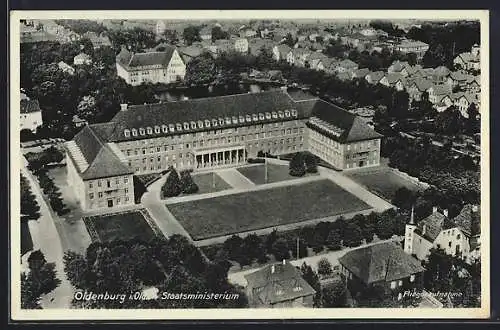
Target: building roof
x,y
430,227
380,262
459,76
93,156
130,59
422,84
397,66
441,89
394,77
348,64
283,50
82,56
441,71
29,106
191,51
361,72
376,76
469,220
277,283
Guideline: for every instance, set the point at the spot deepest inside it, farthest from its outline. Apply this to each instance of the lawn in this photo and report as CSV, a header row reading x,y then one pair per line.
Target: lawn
x,y
205,182
26,241
223,215
275,173
383,181
125,226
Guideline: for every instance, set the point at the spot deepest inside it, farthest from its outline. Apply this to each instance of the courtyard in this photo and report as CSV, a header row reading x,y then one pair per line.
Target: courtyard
x,y
209,183
136,224
264,208
383,181
275,173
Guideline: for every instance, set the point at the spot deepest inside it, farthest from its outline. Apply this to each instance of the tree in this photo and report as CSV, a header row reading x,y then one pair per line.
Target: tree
x,y
86,108
313,280
201,70
280,249
324,267
30,210
75,268
296,165
334,241
172,186
311,163
253,247
352,235
191,34
290,41
385,228
40,279
188,186
334,294
403,198
218,33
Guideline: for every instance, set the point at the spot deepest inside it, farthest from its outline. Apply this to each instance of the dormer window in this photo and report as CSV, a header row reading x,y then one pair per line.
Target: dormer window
x,y
150,130
214,123
261,116
207,123
297,288
200,124
241,119
248,118
164,128
142,131
126,133
294,113
287,113
193,125
280,114
228,121
157,129
171,128
221,122
235,120
274,115
134,132
178,127
268,115
186,126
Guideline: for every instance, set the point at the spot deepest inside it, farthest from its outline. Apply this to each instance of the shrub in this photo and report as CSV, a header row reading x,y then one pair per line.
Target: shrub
x,y
172,186
333,240
297,166
324,267
188,186
311,163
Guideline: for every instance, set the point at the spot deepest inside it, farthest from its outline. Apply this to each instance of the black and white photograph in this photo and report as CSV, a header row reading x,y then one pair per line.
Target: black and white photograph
x,y
241,164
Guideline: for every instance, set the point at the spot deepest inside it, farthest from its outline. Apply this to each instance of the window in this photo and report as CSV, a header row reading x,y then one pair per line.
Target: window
x,y
157,129
400,283
186,126
91,195
261,116
412,278
98,183
126,190
274,115
178,127
142,131
171,127
126,198
127,133
294,113
393,284
100,195
164,128
458,236
91,185
134,132
449,244
117,181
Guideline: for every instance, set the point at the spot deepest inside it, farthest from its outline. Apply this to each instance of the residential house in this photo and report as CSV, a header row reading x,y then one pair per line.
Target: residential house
x,y
97,41
31,114
464,100
279,285
190,52
298,56
399,67
437,92
459,236
360,73
416,87
82,59
384,265
280,52
255,46
473,85
156,67
412,46
443,102
394,80
206,33
458,79
315,61
374,77
329,65
440,74
469,60
64,67
343,75
241,45
346,66
224,46
247,32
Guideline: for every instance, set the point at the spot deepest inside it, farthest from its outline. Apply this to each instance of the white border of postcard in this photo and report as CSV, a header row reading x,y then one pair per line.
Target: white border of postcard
x,y
234,314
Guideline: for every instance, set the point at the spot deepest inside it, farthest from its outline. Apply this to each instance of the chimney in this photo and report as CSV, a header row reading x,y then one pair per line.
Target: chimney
x,y
284,262
272,269
123,106
434,209
424,229
445,212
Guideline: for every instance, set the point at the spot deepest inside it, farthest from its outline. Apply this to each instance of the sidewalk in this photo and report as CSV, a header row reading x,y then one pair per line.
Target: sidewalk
x,y
46,239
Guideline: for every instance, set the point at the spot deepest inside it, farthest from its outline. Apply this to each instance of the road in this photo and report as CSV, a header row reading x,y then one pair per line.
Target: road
x,y
333,258
46,239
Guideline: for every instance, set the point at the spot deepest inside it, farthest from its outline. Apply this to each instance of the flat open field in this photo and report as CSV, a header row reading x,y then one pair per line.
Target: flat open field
x,y
383,181
275,173
212,217
123,226
205,182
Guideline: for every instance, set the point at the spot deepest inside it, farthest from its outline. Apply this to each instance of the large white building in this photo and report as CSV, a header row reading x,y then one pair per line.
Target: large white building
x,y
459,236
31,114
156,67
208,133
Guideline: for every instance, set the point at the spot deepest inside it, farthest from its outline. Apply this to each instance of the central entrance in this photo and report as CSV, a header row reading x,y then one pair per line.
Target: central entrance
x,y
221,157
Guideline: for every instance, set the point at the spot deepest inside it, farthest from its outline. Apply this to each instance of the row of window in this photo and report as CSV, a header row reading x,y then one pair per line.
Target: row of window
x,y
399,283
100,194
107,182
207,123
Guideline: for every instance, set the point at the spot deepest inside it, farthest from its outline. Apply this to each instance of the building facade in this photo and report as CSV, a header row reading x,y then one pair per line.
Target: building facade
x,y
31,115
155,67
216,132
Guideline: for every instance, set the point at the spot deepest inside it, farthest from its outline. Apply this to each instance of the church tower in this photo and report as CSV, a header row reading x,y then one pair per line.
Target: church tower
x,y
409,229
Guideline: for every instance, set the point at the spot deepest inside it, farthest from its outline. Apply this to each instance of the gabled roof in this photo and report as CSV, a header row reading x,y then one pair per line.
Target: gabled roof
x,y
459,76
89,147
380,262
441,89
129,59
422,84
277,283
348,64
441,71
375,76
29,106
469,220
361,72
433,224
394,77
